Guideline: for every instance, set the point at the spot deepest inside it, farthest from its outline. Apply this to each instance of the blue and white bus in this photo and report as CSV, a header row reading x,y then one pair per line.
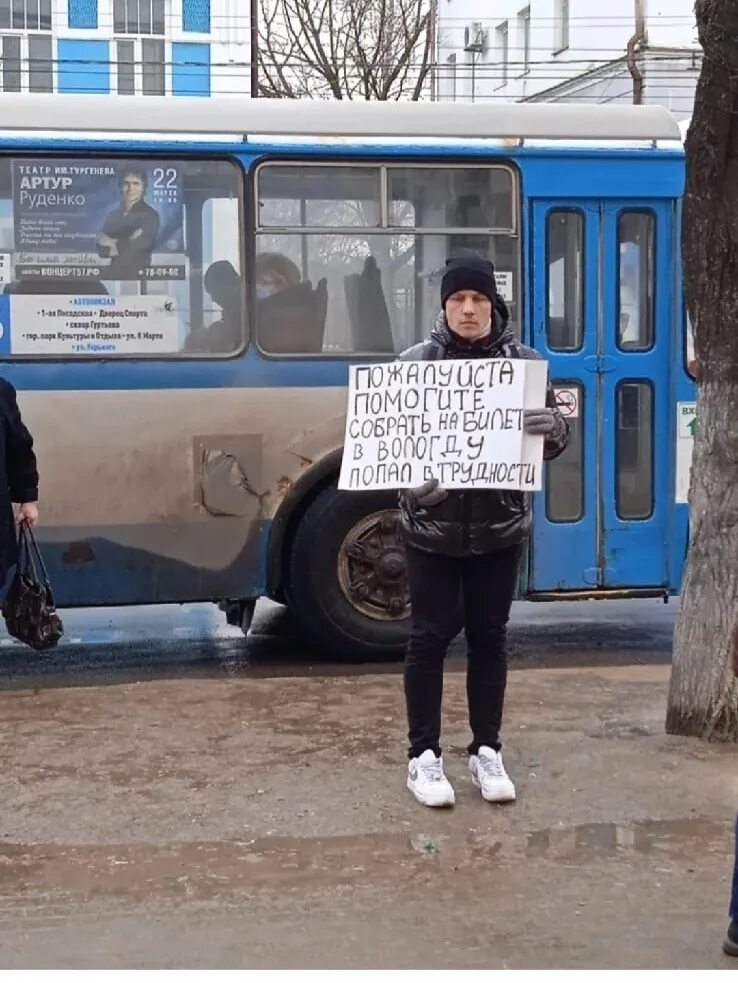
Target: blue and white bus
x,y
184,284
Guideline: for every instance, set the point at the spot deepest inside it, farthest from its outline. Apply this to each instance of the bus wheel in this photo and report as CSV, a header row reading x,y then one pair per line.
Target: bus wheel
x,y
347,582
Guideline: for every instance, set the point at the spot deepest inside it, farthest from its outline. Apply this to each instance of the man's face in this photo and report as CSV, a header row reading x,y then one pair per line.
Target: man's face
x,y
132,189
468,313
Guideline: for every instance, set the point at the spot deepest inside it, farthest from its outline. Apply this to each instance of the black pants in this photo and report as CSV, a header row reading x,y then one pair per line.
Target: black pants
x,y
436,582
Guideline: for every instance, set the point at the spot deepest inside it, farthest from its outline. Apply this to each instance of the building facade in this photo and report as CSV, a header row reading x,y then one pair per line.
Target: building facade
x,y
568,51
128,47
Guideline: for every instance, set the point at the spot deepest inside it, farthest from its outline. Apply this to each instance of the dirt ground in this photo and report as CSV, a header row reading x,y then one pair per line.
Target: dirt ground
x,y
263,823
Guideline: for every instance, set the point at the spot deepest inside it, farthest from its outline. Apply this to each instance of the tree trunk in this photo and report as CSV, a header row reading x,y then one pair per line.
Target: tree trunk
x,y
703,695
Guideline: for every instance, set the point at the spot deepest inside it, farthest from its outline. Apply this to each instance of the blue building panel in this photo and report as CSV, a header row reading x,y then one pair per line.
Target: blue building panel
x,y
190,69
82,14
84,66
196,16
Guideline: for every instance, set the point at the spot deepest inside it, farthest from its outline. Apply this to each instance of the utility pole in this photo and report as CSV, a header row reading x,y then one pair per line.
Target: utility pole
x,y
254,47
639,38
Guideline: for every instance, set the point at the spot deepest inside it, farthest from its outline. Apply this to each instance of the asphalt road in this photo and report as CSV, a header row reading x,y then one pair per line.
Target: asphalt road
x,y
171,641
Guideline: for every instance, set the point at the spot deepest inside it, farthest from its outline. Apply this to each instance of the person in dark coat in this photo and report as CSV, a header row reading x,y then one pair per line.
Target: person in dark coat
x,y
19,482
730,945
469,543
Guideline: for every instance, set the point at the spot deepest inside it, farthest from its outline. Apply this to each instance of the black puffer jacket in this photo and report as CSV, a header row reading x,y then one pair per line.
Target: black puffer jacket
x,y
471,523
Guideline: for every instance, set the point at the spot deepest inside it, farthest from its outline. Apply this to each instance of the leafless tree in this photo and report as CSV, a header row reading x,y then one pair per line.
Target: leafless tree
x,y
703,696
345,49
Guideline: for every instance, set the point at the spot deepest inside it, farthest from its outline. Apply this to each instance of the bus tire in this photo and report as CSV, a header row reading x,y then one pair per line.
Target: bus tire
x,y
346,582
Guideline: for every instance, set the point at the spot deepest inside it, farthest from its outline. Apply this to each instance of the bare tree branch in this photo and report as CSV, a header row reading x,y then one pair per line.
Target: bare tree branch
x,y
346,49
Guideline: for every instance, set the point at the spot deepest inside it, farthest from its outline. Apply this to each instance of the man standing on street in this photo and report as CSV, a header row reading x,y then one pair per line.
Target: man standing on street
x,y
467,542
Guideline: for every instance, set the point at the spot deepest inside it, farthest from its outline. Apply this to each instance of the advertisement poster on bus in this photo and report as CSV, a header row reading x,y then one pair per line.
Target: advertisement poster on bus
x,y
120,214
89,326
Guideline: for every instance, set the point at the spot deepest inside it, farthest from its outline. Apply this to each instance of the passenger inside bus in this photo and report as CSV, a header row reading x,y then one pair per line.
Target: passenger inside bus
x,y
291,313
223,285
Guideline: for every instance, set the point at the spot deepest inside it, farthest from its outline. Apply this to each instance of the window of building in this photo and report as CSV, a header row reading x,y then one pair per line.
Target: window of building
x,y
147,265
196,16
82,14
524,34
502,52
126,60
11,63
561,25
139,16
40,63
141,66
153,69
349,258
26,63
25,15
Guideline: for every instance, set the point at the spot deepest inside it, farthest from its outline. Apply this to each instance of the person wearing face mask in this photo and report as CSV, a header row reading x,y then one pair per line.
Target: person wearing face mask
x,y
290,313
467,542
274,274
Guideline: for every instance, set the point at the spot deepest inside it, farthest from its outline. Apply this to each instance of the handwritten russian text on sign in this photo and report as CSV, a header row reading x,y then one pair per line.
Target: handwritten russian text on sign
x,y
458,421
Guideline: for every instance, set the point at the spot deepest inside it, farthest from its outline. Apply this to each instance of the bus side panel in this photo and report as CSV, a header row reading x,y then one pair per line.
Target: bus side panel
x,y
171,492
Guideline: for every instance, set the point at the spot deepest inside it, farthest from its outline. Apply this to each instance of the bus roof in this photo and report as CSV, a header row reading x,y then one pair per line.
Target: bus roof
x,y
38,114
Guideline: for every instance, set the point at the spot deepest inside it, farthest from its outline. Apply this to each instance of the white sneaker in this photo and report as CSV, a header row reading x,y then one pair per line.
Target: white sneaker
x,y
488,774
426,781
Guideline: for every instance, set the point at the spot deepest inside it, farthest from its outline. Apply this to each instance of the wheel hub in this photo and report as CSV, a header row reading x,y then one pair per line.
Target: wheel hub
x,y
372,570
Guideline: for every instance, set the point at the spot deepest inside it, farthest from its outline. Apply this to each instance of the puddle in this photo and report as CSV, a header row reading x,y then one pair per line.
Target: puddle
x,y
212,870
668,837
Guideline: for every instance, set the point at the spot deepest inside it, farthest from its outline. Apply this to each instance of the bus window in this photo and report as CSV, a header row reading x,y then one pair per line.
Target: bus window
x,y
110,257
636,296
689,353
329,197
349,258
451,198
565,266
634,451
565,480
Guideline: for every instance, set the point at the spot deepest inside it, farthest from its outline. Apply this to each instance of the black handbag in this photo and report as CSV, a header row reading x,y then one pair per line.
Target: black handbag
x,y
28,609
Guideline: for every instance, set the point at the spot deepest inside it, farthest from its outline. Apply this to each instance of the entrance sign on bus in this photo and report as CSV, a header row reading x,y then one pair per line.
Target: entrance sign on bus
x,y
458,421
567,401
505,286
686,426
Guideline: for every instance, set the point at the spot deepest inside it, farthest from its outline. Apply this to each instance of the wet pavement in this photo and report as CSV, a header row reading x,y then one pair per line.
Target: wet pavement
x,y
177,796
168,641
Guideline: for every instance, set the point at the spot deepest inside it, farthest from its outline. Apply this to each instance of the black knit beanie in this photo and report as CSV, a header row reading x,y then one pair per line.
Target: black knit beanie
x,y
468,270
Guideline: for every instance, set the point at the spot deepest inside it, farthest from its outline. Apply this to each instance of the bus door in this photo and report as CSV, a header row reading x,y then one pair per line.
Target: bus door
x,y
601,313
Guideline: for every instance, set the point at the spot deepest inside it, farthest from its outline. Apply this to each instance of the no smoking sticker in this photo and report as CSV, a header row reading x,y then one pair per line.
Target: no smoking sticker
x,y
567,401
